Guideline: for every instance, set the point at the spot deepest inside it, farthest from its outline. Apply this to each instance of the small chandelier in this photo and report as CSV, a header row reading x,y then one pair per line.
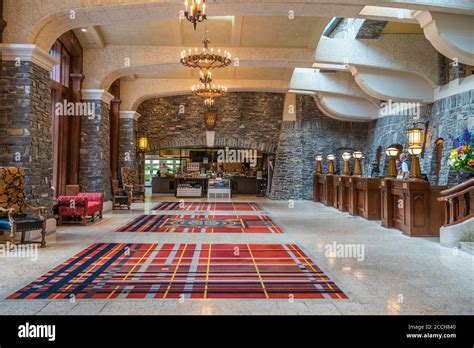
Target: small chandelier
x,y
195,11
207,90
209,102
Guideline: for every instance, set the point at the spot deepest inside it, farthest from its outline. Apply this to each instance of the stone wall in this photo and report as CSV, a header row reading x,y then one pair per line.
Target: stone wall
x,y
446,116
296,143
25,127
244,120
128,146
94,171
300,141
357,28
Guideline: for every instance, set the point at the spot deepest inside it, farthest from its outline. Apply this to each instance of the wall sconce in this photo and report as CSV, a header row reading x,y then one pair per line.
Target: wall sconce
x,y
319,168
392,153
331,159
346,156
415,170
357,167
143,144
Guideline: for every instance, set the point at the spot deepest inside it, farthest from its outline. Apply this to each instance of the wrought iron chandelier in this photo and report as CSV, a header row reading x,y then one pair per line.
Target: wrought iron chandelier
x,y
207,90
206,59
195,11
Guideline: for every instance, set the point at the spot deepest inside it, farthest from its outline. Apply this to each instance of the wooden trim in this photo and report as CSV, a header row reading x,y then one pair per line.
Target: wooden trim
x,y
456,195
3,23
458,188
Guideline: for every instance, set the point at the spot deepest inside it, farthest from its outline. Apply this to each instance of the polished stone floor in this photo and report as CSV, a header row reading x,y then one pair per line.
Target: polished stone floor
x,y
394,274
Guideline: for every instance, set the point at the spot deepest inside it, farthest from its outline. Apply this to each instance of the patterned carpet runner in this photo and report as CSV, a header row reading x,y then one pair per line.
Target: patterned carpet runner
x,y
208,206
202,224
129,271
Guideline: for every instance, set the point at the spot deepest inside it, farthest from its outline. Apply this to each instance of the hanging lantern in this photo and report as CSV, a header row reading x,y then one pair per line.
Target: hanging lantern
x,y
143,144
415,136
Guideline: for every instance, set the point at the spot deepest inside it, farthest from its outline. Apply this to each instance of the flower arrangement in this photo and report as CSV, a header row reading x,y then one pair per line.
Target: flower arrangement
x,y
462,156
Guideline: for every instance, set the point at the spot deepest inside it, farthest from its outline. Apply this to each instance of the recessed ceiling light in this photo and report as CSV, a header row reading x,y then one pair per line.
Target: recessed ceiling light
x,y
84,30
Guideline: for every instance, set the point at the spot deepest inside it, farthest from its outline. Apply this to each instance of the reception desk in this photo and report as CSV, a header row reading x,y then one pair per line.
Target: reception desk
x,y
323,189
411,206
364,197
342,192
163,185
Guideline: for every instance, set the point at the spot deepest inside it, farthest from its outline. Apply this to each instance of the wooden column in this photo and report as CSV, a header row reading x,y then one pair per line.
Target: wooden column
x,y
329,190
61,150
75,130
386,203
3,23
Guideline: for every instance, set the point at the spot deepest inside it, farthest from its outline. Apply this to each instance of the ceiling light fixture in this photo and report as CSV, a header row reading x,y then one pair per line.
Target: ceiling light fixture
x,y
207,90
207,58
195,11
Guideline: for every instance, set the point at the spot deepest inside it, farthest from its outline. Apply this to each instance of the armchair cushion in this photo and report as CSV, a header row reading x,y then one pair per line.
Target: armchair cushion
x,y
23,223
96,197
70,201
93,207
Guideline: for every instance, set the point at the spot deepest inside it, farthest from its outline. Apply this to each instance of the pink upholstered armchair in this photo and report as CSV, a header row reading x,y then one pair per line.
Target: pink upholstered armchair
x,y
81,208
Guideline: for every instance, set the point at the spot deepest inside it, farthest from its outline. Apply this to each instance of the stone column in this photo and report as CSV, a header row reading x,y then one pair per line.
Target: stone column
x,y
94,171
25,118
128,141
114,137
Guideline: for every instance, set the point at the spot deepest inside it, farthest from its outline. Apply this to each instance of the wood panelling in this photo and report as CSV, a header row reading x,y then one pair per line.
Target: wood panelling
x,y
341,192
365,197
67,130
409,205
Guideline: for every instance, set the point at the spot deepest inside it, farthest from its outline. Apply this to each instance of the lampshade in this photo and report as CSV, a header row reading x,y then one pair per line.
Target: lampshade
x,y
414,136
331,157
143,143
415,150
391,152
358,155
346,156
319,158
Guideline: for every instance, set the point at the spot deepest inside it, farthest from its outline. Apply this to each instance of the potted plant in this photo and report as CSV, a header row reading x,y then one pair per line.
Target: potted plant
x,y
461,157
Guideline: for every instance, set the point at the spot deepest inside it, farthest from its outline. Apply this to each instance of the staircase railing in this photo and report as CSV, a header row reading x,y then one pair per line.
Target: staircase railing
x,y
459,203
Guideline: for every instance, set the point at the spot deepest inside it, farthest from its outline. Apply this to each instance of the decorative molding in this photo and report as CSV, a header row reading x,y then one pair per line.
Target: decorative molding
x,y
97,94
28,53
434,28
130,115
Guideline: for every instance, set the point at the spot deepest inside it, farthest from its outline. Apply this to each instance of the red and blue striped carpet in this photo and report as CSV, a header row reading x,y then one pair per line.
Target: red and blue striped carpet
x,y
208,206
198,271
202,224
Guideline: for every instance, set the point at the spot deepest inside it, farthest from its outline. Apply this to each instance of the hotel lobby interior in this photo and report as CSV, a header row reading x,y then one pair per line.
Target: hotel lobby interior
x,y
237,157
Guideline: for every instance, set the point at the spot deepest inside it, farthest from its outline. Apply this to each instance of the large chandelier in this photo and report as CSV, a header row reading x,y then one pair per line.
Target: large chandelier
x,y
195,11
206,59
208,91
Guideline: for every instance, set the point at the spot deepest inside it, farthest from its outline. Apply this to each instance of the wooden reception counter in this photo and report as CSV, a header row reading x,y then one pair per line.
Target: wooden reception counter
x,y
323,188
342,192
412,207
364,197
